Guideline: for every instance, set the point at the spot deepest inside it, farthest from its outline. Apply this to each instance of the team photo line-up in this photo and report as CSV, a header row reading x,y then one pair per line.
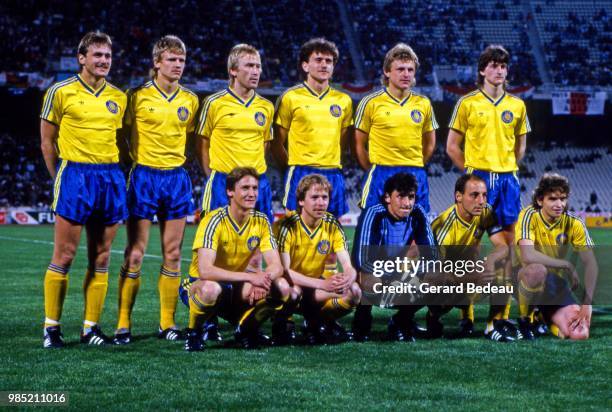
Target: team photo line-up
x,y
248,271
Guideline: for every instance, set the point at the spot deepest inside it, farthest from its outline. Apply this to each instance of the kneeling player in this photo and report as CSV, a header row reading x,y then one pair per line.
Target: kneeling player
x,y
306,238
544,232
395,222
225,242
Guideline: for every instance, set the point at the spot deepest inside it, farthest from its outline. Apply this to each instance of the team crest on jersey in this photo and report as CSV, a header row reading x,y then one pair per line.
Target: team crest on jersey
x,y
253,243
507,116
335,110
561,239
112,106
260,118
416,116
182,113
323,247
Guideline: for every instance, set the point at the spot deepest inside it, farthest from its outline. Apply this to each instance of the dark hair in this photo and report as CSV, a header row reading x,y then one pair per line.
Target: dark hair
x,y
463,179
93,37
493,53
403,183
238,173
549,182
318,44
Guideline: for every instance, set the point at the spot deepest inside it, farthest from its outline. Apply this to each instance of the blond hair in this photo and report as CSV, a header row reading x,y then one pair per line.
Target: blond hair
x,y
401,51
234,56
309,181
169,43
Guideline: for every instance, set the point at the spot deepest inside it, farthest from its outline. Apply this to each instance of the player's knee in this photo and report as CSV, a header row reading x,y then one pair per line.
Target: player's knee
x,y
283,288
534,275
354,294
134,256
65,255
208,291
579,333
172,257
296,293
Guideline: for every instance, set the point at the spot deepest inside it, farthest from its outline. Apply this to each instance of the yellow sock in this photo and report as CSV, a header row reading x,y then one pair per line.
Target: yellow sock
x,y
263,309
168,284
525,297
199,312
129,283
335,308
56,284
467,312
94,288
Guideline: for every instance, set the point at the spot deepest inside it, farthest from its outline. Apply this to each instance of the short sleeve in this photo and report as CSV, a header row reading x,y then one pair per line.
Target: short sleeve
x,y
522,126
347,121
52,106
459,118
338,238
268,133
430,120
128,118
195,105
268,241
580,238
204,125
284,111
363,116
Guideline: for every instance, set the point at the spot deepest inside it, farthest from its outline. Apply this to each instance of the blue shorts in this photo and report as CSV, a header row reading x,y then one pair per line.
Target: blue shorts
x,y
338,204
374,184
503,194
228,305
83,190
556,295
215,196
166,193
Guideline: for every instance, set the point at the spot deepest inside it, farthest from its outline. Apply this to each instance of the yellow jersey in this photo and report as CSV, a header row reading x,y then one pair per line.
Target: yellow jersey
x,y
87,119
309,247
395,128
234,245
160,124
490,129
315,123
237,130
458,235
552,239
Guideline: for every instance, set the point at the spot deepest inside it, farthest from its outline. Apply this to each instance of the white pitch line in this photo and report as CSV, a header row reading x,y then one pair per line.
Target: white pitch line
x,y
46,242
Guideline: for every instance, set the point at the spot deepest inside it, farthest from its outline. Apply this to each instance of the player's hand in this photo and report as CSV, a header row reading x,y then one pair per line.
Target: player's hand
x,y
584,314
257,293
488,275
574,278
262,280
341,283
328,285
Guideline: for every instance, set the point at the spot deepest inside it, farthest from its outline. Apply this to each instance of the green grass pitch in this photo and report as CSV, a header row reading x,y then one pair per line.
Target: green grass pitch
x,y
472,374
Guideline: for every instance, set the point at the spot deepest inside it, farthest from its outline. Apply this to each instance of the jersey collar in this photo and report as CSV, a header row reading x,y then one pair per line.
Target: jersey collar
x,y
489,98
89,89
549,226
318,96
401,103
310,233
242,102
164,95
238,229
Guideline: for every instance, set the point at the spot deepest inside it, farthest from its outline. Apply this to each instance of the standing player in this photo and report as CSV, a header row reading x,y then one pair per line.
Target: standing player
x,y
395,221
224,244
315,119
80,117
160,115
398,126
458,231
235,130
306,238
492,125
545,234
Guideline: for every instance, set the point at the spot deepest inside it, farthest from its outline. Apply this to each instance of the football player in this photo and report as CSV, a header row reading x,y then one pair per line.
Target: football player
x,y
79,122
306,238
225,242
545,235
159,118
